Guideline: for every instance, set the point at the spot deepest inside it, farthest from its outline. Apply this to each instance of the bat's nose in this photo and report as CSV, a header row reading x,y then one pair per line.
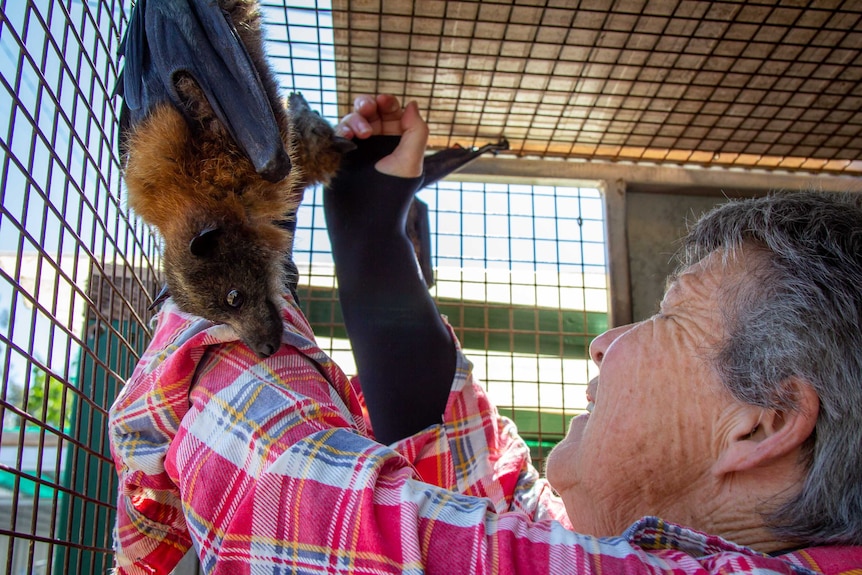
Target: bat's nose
x,y
264,350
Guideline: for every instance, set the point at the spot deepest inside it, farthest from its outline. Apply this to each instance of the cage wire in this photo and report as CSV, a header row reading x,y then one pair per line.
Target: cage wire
x,y
74,282
767,84
520,272
520,269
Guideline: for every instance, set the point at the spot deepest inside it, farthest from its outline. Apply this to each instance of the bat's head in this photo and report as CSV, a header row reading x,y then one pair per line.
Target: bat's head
x,y
232,273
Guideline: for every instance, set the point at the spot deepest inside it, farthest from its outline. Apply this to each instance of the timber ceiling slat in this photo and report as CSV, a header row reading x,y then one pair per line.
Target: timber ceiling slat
x,y
757,84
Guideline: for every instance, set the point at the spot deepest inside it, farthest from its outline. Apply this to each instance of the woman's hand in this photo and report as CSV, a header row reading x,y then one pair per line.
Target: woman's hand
x,y
383,116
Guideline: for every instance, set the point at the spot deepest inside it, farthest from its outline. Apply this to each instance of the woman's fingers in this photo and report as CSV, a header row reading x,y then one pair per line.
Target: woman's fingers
x,y
383,115
380,115
389,113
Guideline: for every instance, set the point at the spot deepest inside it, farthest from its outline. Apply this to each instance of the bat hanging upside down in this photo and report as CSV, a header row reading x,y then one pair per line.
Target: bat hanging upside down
x,y
215,162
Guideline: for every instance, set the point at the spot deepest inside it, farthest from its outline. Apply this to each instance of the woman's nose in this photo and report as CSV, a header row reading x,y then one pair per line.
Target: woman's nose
x,y
602,342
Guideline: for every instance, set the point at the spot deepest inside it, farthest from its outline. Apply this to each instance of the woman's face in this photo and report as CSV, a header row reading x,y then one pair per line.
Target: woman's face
x,y
655,429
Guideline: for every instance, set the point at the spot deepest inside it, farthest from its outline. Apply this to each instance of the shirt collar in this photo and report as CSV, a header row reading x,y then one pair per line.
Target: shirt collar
x,y
653,533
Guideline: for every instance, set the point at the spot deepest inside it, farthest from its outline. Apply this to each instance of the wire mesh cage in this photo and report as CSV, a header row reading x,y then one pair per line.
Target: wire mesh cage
x,y
523,287
76,274
765,84
520,265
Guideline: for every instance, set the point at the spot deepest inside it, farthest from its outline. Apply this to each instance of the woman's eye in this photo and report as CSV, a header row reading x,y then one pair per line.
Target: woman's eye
x,y
234,298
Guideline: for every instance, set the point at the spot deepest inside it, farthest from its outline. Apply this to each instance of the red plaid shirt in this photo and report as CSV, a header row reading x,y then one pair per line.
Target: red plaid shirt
x,y
268,467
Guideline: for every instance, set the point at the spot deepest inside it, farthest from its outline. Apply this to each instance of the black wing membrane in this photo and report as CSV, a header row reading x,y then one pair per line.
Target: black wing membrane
x,y
436,167
442,163
168,38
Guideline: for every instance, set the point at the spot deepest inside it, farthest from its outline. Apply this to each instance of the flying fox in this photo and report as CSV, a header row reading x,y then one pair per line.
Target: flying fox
x,y
216,162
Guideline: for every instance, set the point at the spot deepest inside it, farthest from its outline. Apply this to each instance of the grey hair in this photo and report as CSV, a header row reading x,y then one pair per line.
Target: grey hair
x,y
798,316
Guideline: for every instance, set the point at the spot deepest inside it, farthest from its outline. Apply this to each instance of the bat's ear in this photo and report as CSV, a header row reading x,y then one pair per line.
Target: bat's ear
x,y
204,242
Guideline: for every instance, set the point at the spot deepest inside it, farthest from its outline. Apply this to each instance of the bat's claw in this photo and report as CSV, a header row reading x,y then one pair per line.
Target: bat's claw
x,y
163,294
342,145
277,168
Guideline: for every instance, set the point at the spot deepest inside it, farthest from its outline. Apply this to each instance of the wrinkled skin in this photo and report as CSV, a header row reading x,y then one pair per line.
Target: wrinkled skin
x,y
666,438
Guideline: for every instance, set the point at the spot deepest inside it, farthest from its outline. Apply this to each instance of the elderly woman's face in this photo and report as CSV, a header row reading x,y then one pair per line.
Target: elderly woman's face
x,y
655,430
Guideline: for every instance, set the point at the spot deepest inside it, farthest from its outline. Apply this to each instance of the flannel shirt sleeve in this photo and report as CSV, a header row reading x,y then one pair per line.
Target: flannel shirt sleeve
x,y
476,451
150,534
181,371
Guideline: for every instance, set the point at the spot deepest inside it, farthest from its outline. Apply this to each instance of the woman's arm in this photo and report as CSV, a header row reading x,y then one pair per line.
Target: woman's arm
x,y
404,354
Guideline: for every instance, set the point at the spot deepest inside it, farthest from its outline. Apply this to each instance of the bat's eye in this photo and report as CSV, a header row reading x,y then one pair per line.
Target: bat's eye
x,y
234,299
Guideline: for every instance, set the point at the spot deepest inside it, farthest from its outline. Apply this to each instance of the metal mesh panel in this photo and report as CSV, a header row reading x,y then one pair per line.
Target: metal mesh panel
x,y
521,276
769,84
524,288
75,272
520,272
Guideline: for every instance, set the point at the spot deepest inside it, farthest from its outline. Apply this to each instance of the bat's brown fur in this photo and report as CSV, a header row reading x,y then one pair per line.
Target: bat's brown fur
x,y
218,218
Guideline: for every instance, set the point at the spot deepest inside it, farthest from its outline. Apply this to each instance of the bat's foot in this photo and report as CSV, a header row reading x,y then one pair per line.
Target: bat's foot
x,y
315,148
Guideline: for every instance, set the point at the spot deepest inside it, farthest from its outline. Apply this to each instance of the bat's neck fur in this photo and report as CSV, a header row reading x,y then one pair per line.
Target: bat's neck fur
x,y
174,174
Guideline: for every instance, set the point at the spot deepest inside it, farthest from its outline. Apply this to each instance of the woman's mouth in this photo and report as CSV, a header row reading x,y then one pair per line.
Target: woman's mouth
x,y
591,392
577,424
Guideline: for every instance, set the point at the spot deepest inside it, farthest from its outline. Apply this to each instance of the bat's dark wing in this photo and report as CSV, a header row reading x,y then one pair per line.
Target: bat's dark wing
x,y
166,38
436,167
442,163
418,229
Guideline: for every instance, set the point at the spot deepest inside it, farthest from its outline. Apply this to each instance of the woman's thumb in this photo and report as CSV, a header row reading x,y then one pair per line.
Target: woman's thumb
x,y
406,160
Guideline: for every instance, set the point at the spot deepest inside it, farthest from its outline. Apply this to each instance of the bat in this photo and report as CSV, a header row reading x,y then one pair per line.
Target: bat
x,y
215,161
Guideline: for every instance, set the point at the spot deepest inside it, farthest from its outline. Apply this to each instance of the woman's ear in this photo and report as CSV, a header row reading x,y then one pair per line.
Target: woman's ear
x,y
759,436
